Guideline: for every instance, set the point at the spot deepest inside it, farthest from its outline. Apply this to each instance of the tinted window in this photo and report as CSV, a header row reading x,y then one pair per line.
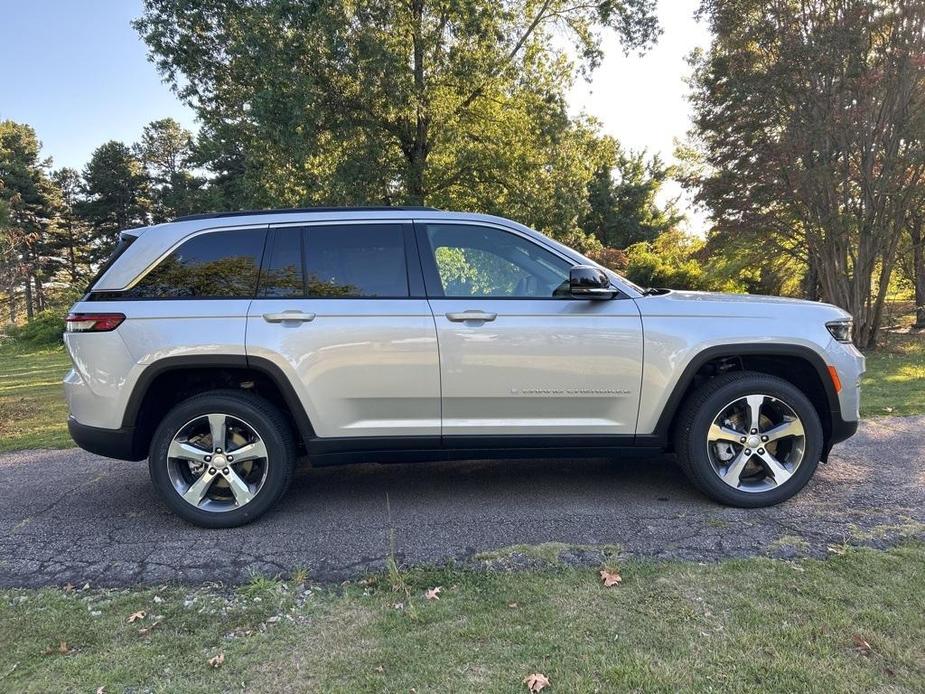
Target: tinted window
x,y
482,261
282,276
220,264
355,260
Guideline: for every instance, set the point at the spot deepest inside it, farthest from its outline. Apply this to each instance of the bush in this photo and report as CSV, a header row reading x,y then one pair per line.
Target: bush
x,y
677,261
46,329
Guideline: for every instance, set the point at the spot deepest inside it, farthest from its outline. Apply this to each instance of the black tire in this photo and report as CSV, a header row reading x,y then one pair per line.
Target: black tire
x,y
264,418
697,414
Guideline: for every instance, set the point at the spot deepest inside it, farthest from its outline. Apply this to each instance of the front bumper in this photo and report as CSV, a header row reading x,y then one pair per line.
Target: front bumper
x,y
112,443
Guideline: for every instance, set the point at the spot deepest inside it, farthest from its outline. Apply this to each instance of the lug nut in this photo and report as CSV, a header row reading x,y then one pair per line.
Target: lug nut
x,y
218,450
760,451
229,458
225,471
208,458
764,438
211,470
748,451
754,431
742,440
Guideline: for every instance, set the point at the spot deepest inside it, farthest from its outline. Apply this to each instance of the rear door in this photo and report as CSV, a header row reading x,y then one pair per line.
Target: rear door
x,y
519,356
341,310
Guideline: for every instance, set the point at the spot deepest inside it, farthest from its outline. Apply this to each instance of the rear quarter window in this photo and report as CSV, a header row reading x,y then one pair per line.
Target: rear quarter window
x,y
213,265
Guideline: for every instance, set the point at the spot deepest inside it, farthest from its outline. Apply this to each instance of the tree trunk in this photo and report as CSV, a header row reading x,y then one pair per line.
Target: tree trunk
x,y
417,149
39,293
918,272
30,313
811,279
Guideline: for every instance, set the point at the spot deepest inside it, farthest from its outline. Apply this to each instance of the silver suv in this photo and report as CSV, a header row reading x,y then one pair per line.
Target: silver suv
x,y
224,347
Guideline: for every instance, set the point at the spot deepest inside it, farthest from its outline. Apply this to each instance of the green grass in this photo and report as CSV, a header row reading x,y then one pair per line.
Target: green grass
x,y
895,379
32,409
742,625
33,413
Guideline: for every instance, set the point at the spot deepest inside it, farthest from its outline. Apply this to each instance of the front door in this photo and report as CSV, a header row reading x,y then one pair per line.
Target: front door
x,y
518,355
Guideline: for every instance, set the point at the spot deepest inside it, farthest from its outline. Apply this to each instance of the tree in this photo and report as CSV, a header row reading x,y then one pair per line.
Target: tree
x,y
73,232
915,267
117,196
26,234
415,102
811,118
622,200
167,152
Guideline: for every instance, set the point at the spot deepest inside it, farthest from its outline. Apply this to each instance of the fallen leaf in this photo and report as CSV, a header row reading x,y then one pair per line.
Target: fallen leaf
x,y
101,690
536,682
611,578
136,616
512,605
62,648
68,587
432,594
217,661
861,645
380,669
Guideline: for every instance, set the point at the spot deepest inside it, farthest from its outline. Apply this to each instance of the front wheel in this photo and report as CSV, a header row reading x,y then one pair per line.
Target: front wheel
x,y
749,439
222,459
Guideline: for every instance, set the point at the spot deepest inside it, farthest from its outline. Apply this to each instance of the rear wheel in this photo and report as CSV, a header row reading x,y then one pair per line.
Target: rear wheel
x,y
749,439
222,459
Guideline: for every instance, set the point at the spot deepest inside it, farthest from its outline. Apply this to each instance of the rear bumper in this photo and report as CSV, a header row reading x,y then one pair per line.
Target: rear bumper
x,y
112,443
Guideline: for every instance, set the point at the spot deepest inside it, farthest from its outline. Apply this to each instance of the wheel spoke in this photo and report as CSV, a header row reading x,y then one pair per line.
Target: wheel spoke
x,y
242,493
217,427
754,409
186,451
793,427
250,451
734,471
777,470
719,433
199,488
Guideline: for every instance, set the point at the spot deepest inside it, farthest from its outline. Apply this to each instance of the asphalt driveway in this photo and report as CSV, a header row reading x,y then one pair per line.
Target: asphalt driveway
x,y
71,517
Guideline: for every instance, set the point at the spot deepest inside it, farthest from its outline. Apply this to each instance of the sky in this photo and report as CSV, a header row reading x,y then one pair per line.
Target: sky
x,y
78,73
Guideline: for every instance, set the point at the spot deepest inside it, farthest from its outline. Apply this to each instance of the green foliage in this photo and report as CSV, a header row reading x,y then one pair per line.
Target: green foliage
x,y
167,152
46,329
458,105
118,195
622,200
676,260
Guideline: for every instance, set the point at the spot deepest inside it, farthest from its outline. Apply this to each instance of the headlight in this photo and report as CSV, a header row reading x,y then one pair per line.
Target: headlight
x,y
841,330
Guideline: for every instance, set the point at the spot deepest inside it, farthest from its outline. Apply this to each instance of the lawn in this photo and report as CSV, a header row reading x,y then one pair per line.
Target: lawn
x,y
32,409
33,413
853,622
895,380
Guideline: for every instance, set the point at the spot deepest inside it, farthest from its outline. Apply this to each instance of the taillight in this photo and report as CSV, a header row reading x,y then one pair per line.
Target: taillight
x,y
92,322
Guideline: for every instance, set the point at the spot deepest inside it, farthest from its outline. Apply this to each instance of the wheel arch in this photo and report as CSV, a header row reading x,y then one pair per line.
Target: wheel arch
x,y
172,379
799,365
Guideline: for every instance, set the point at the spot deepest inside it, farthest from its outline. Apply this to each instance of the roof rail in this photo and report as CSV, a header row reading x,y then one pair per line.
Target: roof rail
x,y
244,213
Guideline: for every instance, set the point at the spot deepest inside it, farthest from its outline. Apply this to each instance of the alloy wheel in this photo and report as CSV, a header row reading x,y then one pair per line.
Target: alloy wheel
x,y
756,443
217,462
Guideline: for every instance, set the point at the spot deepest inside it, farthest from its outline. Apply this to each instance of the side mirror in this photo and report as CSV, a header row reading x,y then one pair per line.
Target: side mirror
x,y
589,282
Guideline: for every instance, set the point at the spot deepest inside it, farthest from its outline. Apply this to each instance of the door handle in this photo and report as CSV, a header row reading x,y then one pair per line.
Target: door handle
x,y
286,316
464,316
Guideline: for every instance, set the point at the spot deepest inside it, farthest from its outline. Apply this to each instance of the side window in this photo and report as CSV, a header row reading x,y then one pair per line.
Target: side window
x,y
355,260
282,275
481,261
214,265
